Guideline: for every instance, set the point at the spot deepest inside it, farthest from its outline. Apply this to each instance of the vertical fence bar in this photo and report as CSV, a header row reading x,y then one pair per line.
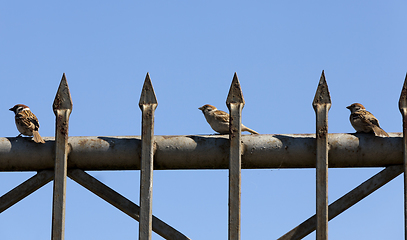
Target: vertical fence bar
x,y
148,104
403,110
321,105
235,103
62,107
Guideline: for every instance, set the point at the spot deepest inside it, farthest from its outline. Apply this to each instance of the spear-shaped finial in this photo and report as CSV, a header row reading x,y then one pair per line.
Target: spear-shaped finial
x,y
147,93
235,92
62,99
322,96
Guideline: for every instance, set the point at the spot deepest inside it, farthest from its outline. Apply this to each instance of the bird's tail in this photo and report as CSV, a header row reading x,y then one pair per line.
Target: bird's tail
x,y
37,137
380,132
244,128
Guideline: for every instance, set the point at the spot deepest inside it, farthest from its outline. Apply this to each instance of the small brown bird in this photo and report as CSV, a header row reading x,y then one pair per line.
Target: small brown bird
x,y
364,121
26,122
219,120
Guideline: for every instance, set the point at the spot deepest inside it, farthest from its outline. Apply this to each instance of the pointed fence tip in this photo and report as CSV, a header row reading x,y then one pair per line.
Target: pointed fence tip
x,y
63,100
403,96
322,95
147,93
235,92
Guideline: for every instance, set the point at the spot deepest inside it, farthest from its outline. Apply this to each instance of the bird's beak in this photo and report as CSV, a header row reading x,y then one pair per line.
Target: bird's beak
x,y
11,109
348,107
201,108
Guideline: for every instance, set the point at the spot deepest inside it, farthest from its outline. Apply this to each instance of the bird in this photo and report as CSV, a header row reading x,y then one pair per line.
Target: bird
x,y
219,120
26,122
364,121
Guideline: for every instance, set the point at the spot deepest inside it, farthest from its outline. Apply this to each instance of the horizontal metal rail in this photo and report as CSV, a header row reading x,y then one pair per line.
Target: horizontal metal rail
x,y
204,152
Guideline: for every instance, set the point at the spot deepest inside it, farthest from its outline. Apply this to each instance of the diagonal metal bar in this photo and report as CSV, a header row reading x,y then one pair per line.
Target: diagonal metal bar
x,y
403,110
321,105
26,188
148,104
346,201
235,103
122,203
62,107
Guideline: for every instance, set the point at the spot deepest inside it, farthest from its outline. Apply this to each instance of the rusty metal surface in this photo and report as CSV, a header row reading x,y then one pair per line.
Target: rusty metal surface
x,y
235,103
346,201
122,203
403,110
148,104
26,188
62,107
321,105
204,152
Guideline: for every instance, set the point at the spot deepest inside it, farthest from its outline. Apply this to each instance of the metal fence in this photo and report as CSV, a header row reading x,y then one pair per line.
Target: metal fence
x,y
64,156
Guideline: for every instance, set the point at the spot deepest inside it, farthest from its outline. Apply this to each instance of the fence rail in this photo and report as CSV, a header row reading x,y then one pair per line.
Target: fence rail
x,y
205,152
64,156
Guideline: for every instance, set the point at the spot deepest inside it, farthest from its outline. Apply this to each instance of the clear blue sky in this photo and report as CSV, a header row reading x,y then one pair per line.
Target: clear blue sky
x,y
191,50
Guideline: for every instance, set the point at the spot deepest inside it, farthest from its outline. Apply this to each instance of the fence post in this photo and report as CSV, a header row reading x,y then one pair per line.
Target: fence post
x,y
148,104
321,105
403,110
235,103
62,107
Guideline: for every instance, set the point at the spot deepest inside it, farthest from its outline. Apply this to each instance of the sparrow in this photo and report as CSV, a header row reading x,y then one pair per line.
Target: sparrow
x,y
26,122
364,121
219,120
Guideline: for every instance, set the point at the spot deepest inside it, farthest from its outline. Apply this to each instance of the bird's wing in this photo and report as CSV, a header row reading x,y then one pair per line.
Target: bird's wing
x,y
368,117
28,119
375,125
221,116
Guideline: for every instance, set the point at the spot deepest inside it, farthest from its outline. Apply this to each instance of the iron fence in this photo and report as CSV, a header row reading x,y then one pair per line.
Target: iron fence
x,y
64,156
